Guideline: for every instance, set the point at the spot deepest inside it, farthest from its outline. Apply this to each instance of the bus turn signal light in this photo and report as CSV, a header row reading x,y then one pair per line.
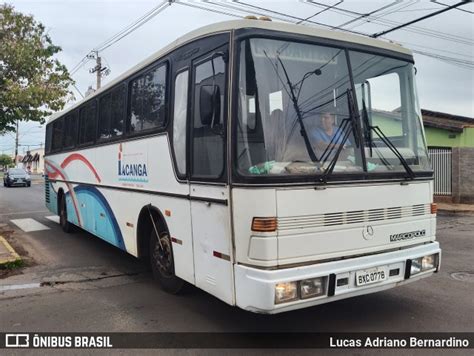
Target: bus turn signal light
x,y
264,224
434,208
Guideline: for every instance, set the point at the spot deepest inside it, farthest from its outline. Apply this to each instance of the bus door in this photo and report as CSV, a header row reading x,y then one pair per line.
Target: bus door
x,y
208,189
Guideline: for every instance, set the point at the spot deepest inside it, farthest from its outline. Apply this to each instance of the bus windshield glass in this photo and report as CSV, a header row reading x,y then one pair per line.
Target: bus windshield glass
x,y
298,113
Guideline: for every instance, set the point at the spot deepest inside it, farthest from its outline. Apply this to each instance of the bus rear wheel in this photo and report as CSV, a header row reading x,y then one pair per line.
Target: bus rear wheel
x,y
65,225
162,263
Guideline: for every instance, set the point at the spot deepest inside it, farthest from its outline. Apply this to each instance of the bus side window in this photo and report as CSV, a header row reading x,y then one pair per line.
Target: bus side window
x,y
87,123
148,100
104,116
70,130
118,112
208,131
179,120
57,134
49,136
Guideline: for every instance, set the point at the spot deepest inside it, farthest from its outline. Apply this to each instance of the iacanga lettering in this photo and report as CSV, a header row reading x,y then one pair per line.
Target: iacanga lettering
x,y
132,170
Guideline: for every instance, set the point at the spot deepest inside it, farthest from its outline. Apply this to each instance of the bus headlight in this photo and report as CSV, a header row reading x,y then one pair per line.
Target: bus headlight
x,y
428,262
313,287
415,266
286,292
422,264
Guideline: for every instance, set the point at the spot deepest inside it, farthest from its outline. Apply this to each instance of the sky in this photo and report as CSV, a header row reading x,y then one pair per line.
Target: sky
x,y
78,26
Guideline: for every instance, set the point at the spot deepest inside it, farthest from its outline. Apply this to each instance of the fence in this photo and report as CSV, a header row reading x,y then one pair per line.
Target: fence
x,y
441,160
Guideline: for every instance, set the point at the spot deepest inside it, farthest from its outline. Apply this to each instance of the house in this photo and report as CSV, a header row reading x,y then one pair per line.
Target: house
x,y
33,161
450,140
446,130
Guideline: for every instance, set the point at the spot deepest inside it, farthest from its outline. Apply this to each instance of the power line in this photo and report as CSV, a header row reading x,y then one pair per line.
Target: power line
x,y
77,89
369,13
123,33
378,34
378,18
447,59
389,23
207,9
132,27
435,49
128,27
295,17
464,63
321,11
463,10
114,39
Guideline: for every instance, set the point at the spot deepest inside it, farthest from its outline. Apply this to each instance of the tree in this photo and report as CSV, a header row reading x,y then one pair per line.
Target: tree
x,y
33,83
5,160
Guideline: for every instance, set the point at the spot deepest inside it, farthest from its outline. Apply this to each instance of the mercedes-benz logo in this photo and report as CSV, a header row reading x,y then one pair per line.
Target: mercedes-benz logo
x,y
368,232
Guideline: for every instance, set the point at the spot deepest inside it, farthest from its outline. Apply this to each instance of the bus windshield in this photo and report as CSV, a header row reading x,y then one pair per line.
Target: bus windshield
x,y
303,111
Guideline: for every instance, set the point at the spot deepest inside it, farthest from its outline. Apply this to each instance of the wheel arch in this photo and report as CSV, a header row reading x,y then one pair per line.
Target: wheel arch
x,y
145,226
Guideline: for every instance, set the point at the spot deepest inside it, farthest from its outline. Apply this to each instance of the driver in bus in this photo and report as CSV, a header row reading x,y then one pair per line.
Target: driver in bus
x,y
325,133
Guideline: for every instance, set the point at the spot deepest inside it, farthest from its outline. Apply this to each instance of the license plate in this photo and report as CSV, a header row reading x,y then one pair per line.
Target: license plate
x,y
371,275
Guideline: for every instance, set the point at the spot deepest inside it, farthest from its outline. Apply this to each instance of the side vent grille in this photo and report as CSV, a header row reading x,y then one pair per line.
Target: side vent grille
x,y
394,213
46,189
376,214
333,219
352,217
419,210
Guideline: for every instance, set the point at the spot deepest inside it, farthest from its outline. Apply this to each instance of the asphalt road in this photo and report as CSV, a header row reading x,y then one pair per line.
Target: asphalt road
x,y
93,286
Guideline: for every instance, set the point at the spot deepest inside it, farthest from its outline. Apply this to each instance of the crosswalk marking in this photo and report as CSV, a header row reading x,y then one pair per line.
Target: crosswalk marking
x,y
29,225
53,218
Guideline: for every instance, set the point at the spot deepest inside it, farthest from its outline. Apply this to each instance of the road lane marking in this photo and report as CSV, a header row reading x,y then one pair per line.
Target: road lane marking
x,y
53,218
19,286
26,212
29,225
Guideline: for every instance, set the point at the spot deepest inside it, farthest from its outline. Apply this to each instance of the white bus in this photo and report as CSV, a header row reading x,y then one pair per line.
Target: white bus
x,y
274,166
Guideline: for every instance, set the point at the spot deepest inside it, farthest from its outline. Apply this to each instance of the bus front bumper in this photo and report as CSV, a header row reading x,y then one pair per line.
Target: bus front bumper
x,y
255,288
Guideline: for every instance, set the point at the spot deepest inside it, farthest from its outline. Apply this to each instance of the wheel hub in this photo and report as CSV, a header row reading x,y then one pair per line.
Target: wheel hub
x,y
163,257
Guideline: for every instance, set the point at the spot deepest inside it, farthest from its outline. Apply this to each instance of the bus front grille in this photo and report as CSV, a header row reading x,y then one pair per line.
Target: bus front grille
x,y
352,217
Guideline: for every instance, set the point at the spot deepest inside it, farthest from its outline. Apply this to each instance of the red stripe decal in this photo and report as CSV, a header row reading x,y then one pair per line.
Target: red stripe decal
x,y
71,189
79,157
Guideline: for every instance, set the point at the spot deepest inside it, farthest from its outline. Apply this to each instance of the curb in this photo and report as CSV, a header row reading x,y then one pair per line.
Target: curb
x,y
454,211
14,257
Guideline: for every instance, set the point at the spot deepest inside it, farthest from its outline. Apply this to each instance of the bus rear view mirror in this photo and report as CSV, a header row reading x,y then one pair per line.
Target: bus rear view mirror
x,y
209,105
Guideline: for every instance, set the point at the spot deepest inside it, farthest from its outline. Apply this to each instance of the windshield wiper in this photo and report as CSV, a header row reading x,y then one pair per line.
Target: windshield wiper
x,y
387,142
352,124
303,132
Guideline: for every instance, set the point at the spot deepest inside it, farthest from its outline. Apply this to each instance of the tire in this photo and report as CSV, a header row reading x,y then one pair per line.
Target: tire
x,y
65,225
162,264
28,184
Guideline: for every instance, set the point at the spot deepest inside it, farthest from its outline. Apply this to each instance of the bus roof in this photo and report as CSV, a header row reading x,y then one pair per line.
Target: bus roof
x,y
226,26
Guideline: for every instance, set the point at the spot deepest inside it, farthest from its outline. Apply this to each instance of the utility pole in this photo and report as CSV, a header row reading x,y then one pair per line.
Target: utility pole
x,y
98,69
16,141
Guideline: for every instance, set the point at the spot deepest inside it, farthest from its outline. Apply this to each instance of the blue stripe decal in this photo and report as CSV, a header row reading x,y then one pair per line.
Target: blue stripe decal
x,y
103,224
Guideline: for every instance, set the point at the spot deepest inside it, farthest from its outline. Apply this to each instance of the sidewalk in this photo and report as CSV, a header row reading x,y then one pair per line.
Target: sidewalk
x,y
7,253
456,208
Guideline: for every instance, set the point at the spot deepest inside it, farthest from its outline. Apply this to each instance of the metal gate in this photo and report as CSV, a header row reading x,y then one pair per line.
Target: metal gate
x,y
442,166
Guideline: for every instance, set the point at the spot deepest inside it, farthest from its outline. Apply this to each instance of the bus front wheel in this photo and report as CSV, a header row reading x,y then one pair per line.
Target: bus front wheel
x,y
65,225
162,263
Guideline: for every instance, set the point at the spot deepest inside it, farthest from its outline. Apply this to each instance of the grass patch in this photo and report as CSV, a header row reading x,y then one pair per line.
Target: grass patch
x,y
12,264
